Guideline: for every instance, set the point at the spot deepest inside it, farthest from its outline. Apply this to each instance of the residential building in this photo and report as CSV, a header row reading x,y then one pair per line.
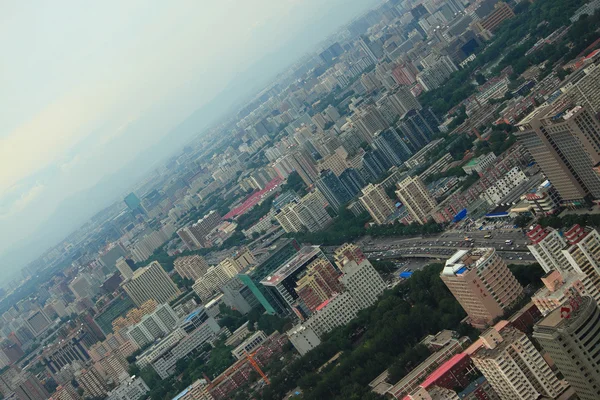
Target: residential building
x,y
584,255
133,388
153,326
150,283
482,283
571,336
91,382
318,284
196,391
560,287
514,367
414,195
377,203
546,246
191,267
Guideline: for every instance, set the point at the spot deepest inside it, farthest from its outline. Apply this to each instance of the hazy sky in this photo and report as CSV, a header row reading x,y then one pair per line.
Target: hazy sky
x,y
88,85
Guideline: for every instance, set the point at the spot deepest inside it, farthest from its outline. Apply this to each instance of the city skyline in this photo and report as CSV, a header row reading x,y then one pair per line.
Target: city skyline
x,y
99,125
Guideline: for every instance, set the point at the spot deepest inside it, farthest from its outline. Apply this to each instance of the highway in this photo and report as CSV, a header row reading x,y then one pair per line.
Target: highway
x,y
442,246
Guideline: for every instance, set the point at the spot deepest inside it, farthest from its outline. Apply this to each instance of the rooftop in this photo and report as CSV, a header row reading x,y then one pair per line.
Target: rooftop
x,y
464,260
556,317
306,254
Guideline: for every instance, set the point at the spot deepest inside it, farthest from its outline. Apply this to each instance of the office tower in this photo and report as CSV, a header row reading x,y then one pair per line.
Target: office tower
x,y
563,139
584,255
37,321
333,189
191,267
546,246
418,127
514,367
361,280
369,120
377,203
352,181
482,283
92,383
124,268
319,284
571,336
281,283
414,195
134,203
392,146
151,283
304,166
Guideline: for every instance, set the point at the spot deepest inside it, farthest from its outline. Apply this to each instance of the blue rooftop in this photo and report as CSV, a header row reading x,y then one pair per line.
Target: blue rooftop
x,y
192,315
460,271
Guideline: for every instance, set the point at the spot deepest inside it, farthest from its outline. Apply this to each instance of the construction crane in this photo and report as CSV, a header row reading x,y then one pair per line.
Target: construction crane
x,y
254,364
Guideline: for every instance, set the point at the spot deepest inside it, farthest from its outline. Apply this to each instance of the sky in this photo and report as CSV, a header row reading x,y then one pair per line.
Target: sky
x,y
91,90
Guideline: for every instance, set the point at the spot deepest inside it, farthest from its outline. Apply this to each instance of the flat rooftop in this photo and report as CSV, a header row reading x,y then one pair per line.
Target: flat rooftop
x,y
306,253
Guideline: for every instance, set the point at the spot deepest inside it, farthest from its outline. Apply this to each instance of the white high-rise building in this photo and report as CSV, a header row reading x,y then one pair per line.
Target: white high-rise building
x,y
124,268
414,195
514,367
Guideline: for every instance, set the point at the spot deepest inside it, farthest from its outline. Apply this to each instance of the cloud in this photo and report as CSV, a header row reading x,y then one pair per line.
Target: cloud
x,y
22,201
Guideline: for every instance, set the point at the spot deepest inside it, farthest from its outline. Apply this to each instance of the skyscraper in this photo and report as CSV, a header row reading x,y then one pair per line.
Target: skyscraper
x,y
304,166
311,211
571,336
514,367
150,283
584,255
361,280
333,189
416,198
482,283
377,203
564,139
191,267
392,146
134,203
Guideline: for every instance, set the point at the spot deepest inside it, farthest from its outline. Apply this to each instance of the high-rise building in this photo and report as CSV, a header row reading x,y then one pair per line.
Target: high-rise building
x,y
584,255
514,367
377,203
124,268
369,120
437,73
403,100
191,267
482,283
134,388
414,195
546,246
319,284
288,218
392,146
304,166
352,181
571,336
564,139
359,277
151,283
281,283
418,127
27,387
311,211
153,326
560,287
332,188
134,203
374,164
92,383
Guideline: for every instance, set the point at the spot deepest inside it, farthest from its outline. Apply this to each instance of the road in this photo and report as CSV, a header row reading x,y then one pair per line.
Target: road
x,y
443,245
